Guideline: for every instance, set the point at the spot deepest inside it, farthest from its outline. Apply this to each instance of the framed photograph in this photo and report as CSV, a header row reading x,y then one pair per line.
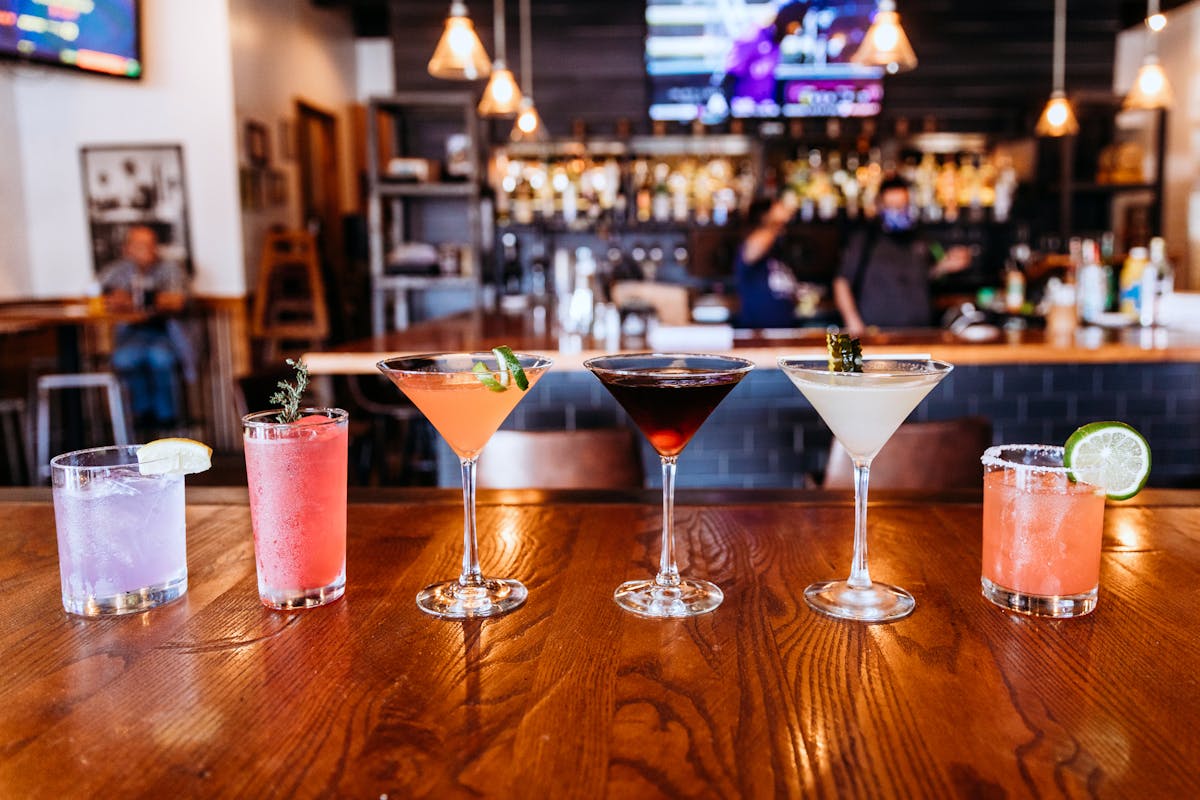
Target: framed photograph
x,y
276,188
125,186
251,188
258,149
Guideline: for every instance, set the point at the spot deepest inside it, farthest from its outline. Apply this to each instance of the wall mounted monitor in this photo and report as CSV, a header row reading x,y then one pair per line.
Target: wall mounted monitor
x,y
100,36
713,59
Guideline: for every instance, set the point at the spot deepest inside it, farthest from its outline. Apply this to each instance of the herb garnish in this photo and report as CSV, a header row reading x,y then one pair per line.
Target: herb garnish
x,y
289,395
845,354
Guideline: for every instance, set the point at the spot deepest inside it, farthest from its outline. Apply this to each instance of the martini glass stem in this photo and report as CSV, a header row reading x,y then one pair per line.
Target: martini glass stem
x,y
860,576
668,573
471,575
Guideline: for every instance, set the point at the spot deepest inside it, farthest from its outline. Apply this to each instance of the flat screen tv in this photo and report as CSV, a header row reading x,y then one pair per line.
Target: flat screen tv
x,y
713,59
101,36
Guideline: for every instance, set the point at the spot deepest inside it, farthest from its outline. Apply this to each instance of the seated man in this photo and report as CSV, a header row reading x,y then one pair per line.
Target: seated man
x,y
147,353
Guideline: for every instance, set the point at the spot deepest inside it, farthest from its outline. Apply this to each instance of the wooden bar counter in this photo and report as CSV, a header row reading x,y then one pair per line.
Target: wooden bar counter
x,y
216,696
483,330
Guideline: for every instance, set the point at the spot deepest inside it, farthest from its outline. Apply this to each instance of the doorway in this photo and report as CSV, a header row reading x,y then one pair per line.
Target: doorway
x,y
320,200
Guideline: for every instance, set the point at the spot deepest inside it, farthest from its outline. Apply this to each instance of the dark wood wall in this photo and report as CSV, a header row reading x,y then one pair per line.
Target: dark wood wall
x,y
984,66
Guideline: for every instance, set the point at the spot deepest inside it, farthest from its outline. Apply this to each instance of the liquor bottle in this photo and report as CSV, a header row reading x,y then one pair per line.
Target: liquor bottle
x,y
661,202
1131,282
1092,284
522,205
1157,296
1014,288
643,198
1108,259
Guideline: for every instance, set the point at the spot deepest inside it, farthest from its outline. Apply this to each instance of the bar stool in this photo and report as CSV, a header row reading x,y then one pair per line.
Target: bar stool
x,y
78,380
602,458
921,455
16,446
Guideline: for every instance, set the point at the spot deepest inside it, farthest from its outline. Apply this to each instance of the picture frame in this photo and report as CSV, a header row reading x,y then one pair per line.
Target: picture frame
x,y
258,146
131,185
250,188
277,188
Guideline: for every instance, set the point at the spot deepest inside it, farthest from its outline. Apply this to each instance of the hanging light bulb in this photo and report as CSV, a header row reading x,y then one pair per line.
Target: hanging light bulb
x,y
459,54
528,127
501,97
1155,19
1151,89
1058,117
886,44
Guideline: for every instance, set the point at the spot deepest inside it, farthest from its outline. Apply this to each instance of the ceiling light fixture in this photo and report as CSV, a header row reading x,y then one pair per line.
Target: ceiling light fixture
x,y
1058,117
459,55
886,44
1151,89
528,127
501,97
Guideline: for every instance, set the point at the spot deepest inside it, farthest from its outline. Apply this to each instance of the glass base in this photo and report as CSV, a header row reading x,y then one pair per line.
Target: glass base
x,y
127,602
647,598
1040,605
879,602
452,600
290,599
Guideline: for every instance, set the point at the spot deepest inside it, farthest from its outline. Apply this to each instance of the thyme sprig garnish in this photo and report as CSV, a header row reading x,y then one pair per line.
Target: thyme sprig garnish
x,y
289,395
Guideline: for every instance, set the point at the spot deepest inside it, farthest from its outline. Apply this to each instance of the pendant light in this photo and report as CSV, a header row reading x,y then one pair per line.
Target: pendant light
x,y
1058,117
501,97
528,127
459,54
1151,88
886,44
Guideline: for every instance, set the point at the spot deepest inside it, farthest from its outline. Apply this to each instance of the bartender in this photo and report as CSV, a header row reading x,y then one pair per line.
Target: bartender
x,y
766,284
888,266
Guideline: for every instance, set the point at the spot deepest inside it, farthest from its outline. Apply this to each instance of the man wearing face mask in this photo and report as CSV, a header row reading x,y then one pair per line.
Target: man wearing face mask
x,y
884,277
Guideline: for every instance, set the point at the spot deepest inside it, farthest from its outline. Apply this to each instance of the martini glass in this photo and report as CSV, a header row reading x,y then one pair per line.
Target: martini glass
x,y
863,409
669,396
466,411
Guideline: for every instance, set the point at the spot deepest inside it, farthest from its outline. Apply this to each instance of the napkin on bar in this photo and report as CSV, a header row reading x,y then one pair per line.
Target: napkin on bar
x,y
690,338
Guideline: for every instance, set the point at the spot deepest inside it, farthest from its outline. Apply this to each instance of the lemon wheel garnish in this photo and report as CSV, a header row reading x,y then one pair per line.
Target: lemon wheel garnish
x,y
174,456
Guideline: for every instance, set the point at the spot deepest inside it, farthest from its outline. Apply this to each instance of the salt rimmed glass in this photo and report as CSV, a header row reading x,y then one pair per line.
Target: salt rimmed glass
x,y
1041,533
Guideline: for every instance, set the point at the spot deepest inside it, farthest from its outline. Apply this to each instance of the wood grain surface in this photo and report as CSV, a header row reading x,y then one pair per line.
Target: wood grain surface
x,y
216,696
481,330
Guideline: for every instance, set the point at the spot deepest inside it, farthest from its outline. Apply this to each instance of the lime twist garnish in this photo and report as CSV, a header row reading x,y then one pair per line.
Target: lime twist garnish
x,y
845,353
174,457
508,366
1111,455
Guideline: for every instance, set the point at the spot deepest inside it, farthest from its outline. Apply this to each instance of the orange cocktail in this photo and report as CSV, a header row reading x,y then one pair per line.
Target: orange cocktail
x,y
466,397
1041,533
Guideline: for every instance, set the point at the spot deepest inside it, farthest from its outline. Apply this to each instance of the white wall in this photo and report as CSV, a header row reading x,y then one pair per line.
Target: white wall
x,y
284,51
185,97
376,66
15,278
1179,52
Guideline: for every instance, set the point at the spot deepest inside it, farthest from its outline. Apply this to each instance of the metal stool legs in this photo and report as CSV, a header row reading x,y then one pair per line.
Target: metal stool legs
x,y
83,380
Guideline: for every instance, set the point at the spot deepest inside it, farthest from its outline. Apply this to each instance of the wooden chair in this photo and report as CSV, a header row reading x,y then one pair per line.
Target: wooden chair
x,y
606,458
670,301
289,304
921,455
